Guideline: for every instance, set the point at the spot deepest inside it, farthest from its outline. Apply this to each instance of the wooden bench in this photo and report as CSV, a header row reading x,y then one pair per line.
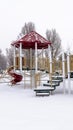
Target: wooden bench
x,y
43,91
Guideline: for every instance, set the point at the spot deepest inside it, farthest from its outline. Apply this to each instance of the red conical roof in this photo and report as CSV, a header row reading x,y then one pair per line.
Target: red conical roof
x,y
29,40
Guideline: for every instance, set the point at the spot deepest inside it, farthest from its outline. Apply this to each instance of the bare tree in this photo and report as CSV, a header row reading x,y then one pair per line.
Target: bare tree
x,y
9,54
27,28
54,38
3,61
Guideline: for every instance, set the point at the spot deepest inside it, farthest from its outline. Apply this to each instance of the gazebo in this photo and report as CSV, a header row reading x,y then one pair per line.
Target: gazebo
x,y
32,40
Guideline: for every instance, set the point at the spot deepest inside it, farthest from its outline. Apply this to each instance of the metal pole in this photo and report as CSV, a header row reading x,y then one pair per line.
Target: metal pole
x,y
63,67
14,58
68,68
21,57
50,62
31,74
35,56
50,55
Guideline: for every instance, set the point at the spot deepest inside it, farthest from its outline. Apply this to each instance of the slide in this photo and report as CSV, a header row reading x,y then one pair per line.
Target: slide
x,y
16,77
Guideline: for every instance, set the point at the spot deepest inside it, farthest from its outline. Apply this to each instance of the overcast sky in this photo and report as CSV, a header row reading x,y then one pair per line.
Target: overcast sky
x,y
45,14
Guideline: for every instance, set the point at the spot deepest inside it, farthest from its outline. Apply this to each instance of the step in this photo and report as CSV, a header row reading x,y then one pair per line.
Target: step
x,y
51,85
42,94
54,81
57,78
43,90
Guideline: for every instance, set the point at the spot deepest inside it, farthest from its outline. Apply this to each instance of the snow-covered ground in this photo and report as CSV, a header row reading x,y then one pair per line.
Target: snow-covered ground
x,y
20,109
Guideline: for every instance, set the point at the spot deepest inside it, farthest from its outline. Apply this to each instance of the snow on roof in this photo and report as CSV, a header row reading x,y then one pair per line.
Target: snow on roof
x,y
29,40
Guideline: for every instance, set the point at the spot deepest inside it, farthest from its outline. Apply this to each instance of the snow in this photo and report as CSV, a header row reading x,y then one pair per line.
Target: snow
x,y
21,109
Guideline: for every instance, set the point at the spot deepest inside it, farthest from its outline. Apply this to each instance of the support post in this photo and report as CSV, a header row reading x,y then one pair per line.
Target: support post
x,y
21,57
68,69
63,68
14,62
42,66
31,58
50,55
31,75
35,56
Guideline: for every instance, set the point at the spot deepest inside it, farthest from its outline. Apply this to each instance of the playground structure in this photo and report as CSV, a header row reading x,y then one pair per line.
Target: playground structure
x,y
37,65
40,63
61,66
33,43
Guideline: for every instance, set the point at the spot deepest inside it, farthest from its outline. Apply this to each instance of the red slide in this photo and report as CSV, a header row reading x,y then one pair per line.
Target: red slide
x,y
16,77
